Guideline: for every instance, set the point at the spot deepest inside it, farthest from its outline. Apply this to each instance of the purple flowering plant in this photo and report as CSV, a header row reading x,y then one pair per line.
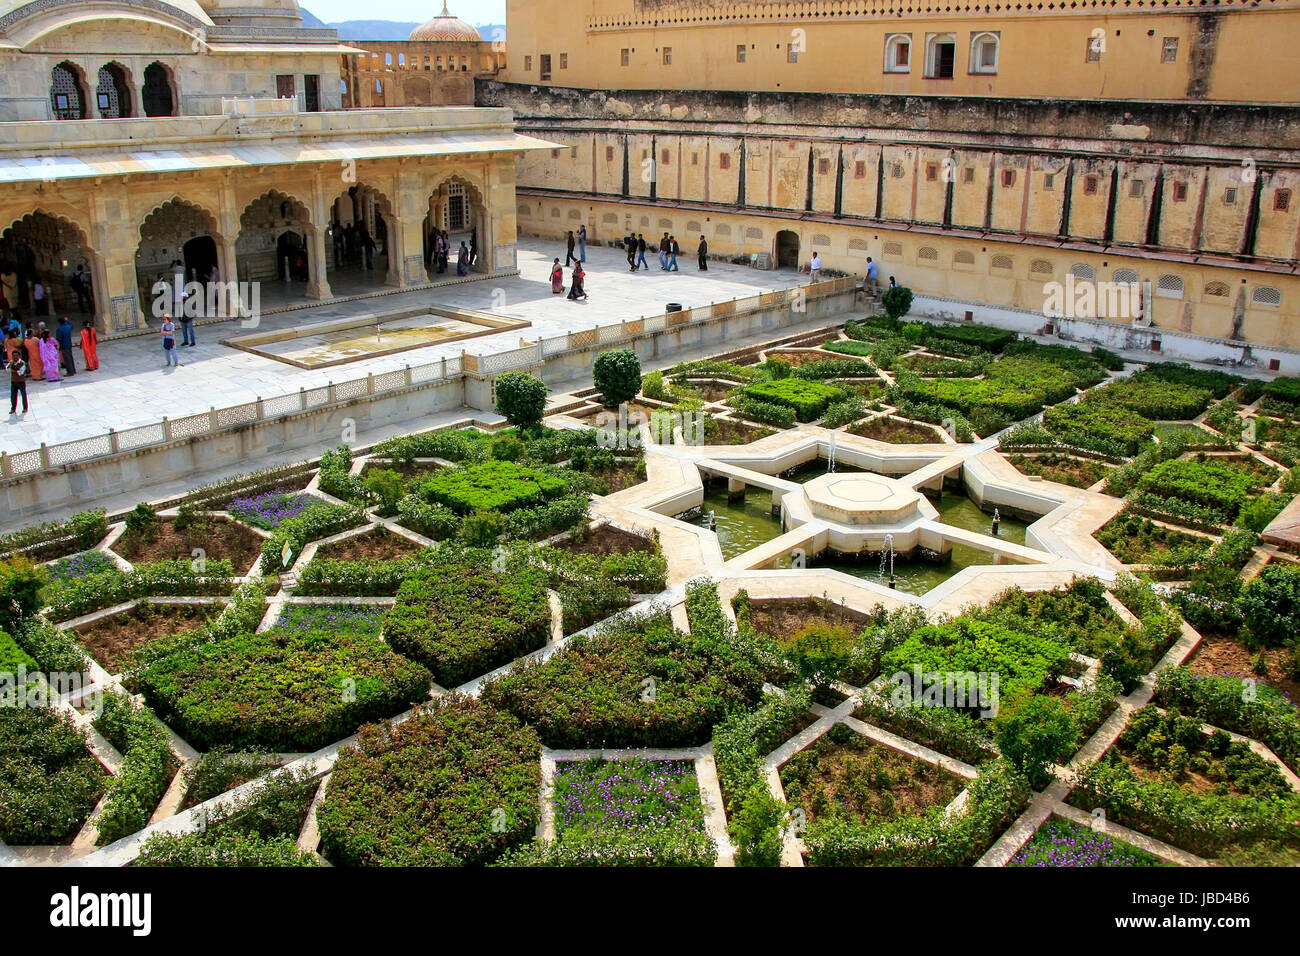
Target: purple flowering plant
x,y
336,618
1062,843
268,509
80,566
627,796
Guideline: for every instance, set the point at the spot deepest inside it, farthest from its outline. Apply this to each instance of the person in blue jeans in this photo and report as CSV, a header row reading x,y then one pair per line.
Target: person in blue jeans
x,y
673,249
582,243
640,251
187,330
169,342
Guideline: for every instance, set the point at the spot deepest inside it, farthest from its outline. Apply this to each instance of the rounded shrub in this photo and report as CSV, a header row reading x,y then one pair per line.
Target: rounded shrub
x,y
617,375
521,398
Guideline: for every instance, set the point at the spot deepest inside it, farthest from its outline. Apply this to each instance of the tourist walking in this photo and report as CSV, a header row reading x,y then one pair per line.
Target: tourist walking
x,y
49,357
873,276
80,283
582,243
673,250
63,335
32,345
473,247
17,381
462,260
640,252
169,342
557,277
90,345
703,252
629,246
576,289
663,252
815,268
187,329
569,242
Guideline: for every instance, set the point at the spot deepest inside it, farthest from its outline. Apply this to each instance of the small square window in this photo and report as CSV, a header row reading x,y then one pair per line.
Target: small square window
x,y
665,156
931,172
695,159
968,174
1008,178
564,61
740,53
609,154
1230,196
1169,50
624,57
1093,51
1180,192
1049,180
555,154
528,64
1090,185
1282,200
859,170
724,161
823,166
1137,189
668,56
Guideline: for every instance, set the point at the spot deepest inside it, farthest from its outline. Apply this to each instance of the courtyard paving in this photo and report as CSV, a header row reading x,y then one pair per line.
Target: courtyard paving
x,y
133,387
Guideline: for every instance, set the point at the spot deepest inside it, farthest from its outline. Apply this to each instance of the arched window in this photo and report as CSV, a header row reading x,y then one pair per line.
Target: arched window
x,y
927,255
1169,287
1124,275
940,55
898,53
524,210
1266,295
1001,262
1083,271
984,52
112,95
963,258
1040,267
67,93
1216,290
157,94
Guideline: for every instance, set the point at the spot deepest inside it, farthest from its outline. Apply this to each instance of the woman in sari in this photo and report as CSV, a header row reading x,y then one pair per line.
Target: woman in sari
x,y
50,357
576,290
557,277
90,343
33,346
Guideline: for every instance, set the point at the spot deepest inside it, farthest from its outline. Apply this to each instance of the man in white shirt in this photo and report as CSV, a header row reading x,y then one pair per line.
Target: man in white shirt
x,y
815,268
873,276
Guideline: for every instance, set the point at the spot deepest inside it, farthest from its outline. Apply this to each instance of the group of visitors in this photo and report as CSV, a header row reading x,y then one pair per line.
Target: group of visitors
x,y
13,286
353,243
669,249
33,353
580,241
577,287
440,252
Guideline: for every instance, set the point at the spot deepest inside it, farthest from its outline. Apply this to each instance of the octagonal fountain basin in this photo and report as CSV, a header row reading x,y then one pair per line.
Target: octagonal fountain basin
x,y
863,498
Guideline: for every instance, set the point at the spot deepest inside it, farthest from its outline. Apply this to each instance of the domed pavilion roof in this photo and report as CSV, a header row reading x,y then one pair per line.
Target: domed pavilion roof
x,y
444,28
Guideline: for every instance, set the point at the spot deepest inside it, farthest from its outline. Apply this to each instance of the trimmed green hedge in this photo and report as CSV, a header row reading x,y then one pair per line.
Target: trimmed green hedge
x,y
462,619
491,486
455,785
49,780
286,691
1217,487
1099,425
148,766
78,596
808,399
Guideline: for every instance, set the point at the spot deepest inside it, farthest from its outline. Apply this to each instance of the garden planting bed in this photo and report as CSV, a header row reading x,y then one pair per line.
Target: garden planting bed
x,y
599,798
723,431
1221,654
1065,469
844,774
268,509
605,539
1136,540
896,432
49,778
217,537
1060,843
110,640
797,357
409,470
783,618
377,545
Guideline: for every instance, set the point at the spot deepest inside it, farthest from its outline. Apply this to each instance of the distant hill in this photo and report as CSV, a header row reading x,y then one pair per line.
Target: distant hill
x,y
386,29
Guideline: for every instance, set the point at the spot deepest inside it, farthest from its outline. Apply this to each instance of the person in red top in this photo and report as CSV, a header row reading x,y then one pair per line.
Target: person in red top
x,y
90,346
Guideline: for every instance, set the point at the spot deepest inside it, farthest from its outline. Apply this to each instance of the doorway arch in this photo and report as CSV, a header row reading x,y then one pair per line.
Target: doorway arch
x,y
68,92
158,93
113,94
171,232
47,249
456,206
787,249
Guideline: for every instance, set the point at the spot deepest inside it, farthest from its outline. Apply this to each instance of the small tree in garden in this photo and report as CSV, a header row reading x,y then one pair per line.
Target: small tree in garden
x,y
20,585
1032,731
617,375
521,398
897,301
1270,606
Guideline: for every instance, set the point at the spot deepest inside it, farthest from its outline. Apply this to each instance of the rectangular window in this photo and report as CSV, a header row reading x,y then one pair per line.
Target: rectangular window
x,y
564,61
528,64
1049,180
1230,196
546,66
898,52
931,172
859,170
1180,192
623,57
1008,178
1169,50
1096,44
695,159
609,154
823,166
941,63
791,53
668,56
724,160
1282,200
1090,185
311,92
284,87
1137,188
665,156
740,53
969,174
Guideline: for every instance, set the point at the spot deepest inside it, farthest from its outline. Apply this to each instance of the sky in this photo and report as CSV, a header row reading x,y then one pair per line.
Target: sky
x,y
474,12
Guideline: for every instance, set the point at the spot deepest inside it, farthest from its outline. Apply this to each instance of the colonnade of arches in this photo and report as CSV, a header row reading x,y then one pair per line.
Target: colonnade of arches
x,y
48,266
114,94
